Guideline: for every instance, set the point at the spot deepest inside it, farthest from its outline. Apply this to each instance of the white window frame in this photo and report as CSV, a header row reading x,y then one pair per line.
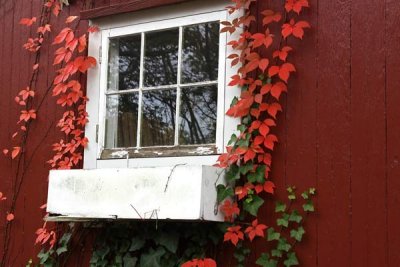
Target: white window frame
x,y
155,19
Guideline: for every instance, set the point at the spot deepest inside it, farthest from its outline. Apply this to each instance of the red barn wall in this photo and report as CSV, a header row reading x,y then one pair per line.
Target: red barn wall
x,y
339,130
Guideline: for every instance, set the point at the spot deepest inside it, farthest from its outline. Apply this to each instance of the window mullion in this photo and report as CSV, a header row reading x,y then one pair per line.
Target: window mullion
x,y
141,82
178,89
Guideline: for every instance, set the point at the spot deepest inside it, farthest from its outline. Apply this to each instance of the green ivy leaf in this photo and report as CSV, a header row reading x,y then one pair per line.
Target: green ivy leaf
x,y
232,140
244,169
136,244
233,173
253,205
61,250
305,195
309,206
295,217
312,191
169,240
291,260
258,175
152,258
276,253
224,192
272,235
283,221
129,260
297,234
291,190
265,261
280,207
283,244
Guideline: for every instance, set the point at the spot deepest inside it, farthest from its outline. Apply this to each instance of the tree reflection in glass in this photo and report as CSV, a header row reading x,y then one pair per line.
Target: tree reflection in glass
x,y
200,52
198,118
121,120
124,63
158,119
161,57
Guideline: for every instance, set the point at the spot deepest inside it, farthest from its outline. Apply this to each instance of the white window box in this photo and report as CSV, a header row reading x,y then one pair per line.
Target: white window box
x,y
181,192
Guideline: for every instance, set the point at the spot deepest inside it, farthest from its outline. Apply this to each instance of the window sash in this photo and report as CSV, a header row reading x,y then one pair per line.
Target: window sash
x,y
141,29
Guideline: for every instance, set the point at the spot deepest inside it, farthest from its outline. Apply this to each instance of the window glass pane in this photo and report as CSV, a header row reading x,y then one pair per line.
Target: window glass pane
x,y
121,120
124,63
198,118
161,58
158,120
200,52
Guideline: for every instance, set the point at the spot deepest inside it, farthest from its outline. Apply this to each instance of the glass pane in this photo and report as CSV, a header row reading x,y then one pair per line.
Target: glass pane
x,y
121,120
161,58
200,52
198,118
158,121
124,63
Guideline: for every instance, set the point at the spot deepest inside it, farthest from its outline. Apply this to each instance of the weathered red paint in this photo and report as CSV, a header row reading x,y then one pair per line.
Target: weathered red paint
x,y
339,131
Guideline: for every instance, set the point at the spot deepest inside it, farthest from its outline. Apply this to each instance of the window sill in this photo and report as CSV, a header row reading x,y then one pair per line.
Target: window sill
x,y
180,192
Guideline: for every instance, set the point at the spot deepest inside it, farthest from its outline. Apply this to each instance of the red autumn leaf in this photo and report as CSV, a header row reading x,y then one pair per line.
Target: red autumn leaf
x,y
82,43
242,191
43,206
269,141
230,210
70,19
265,158
295,28
2,197
16,150
255,230
277,89
28,22
207,262
263,64
93,29
242,107
61,37
262,39
269,187
282,71
273,109
5,151
10,217
296,5
270,16
283,53
27,115
233,235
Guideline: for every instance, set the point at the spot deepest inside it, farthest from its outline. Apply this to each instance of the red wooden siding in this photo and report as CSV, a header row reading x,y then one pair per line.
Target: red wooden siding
x,y
339,131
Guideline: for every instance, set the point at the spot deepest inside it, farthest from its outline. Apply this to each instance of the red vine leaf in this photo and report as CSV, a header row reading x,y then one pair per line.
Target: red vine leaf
x,y
5,151
229,210
296,5
255,230
27,22
10,217
16,150
233,235
270,16
200,263
283,53
297,29
269,187
70,19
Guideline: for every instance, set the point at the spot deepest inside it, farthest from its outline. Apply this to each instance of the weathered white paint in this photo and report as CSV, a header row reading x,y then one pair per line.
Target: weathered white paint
x,y
180,192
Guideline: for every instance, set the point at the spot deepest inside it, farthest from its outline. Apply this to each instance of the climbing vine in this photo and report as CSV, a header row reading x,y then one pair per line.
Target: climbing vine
x,y
264,69
263,75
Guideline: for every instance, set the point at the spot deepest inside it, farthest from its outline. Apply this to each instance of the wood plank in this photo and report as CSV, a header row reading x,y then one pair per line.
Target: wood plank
x,y
333,133
126,7
368,141
392,42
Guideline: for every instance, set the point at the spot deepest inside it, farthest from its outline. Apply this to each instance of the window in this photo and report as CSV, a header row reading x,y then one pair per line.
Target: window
x,y
157,104
160,88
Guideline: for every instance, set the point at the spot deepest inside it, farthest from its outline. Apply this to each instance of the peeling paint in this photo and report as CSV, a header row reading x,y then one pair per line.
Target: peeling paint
x,y
119,154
